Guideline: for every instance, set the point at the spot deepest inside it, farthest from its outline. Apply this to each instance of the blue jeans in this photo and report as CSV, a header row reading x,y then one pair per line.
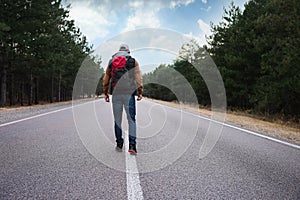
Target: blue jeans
x,y
128,102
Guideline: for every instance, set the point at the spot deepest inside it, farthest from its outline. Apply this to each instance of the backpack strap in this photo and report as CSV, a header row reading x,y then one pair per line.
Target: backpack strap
x,y
110,64
130,64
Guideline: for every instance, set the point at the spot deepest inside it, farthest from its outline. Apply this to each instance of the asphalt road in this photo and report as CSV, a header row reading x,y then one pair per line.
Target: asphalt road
x,y
69,154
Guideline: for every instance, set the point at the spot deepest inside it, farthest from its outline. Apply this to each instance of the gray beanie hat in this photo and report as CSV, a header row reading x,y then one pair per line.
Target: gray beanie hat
x,y
124,47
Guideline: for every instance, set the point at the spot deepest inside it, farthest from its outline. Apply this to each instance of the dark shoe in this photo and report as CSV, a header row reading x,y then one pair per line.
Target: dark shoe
x,y
119,147
132,149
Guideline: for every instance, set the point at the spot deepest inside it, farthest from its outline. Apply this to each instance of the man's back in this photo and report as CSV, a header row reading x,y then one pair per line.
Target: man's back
x,y
126,78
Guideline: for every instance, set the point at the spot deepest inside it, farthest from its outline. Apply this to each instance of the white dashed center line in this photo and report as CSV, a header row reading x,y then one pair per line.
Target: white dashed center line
x,y
134,190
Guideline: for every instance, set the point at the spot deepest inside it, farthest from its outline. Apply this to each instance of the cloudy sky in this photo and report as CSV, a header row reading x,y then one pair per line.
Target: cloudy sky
x,y
101,20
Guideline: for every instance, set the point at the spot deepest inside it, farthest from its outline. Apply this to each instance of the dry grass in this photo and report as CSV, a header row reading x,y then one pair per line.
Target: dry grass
x,y
289,131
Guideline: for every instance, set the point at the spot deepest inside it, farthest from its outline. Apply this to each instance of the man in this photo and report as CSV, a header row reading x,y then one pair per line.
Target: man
x,y
126,81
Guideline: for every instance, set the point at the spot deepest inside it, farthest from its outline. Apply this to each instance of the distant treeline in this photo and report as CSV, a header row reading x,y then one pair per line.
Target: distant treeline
x,y
41,51
257,52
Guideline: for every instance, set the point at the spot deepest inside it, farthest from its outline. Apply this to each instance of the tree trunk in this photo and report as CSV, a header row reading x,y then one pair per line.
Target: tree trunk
x,y
30,95
64,95
51,94
58,99
3,85
12,88
22,93
36,90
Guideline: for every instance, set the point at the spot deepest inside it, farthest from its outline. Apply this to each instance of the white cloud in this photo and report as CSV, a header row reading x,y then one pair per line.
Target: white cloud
x,y
174,4
90,21
206,9
204,1
141,16
205,28
97,19
144,17
204,31
136,4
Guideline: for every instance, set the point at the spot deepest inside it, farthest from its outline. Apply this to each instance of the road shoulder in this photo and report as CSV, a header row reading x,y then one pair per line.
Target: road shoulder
x,y
274,129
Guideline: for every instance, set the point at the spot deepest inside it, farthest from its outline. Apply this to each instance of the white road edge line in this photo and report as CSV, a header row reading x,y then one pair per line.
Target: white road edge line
x,y
32,117
40,115
134,189
234,127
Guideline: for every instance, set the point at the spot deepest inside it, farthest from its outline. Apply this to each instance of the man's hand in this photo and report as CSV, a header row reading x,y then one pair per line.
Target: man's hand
x,y
139,97
106,98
